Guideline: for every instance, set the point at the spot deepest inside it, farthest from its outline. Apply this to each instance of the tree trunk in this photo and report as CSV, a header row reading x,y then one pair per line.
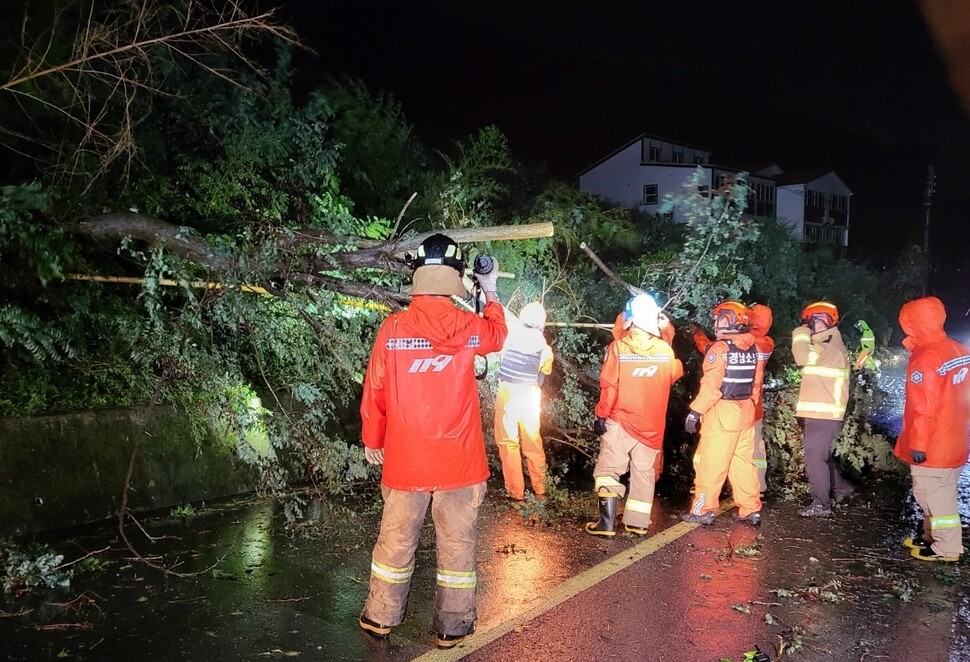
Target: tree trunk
x,y
295,267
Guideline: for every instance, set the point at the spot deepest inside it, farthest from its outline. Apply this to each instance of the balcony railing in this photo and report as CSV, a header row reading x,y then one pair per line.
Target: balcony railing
x,y
818,233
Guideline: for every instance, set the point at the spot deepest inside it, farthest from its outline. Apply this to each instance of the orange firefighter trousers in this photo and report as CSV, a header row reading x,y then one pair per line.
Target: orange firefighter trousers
x,y
517,409
726,450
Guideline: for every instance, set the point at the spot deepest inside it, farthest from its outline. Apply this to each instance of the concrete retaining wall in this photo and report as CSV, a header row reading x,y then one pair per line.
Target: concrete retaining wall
x,y
66,470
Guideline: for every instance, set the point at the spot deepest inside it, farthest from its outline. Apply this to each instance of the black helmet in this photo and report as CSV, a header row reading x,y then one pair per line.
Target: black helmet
x,y
439,249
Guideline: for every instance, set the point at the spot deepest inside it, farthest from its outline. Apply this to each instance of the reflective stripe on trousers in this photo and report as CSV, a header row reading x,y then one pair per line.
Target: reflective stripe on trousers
x,y
391,575
455,516
456,579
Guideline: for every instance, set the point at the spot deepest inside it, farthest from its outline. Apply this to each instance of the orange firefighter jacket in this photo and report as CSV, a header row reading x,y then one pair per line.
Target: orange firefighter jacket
x,y
715,367
701,341
824,360
420,400
936,417
635,385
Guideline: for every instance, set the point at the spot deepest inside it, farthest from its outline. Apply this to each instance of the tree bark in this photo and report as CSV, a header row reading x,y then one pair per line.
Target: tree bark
x,y
350,253
155,233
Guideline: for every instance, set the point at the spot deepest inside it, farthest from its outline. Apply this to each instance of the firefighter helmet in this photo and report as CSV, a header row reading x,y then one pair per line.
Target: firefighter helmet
x,y
736,315
643,312
533,315
439,249
827,312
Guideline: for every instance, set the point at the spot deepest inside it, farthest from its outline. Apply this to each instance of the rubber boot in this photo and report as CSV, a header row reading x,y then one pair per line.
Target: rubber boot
x,y
604,527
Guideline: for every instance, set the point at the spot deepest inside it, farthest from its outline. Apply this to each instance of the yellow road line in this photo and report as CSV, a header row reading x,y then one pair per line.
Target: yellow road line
x,y
568,589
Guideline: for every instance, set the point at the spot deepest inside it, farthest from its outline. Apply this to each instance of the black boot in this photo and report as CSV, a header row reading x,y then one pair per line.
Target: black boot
x,y
604,527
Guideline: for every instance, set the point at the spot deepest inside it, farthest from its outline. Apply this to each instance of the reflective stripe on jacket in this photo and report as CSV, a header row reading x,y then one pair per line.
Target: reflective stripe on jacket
x,y
420,400
635,385
936,416
824,392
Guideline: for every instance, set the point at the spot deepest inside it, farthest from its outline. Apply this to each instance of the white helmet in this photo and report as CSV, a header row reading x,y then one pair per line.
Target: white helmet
x,y
642,311
533,315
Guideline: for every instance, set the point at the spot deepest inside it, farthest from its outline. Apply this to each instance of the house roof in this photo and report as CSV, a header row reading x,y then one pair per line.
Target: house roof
x,y
635,140
755,168
789,178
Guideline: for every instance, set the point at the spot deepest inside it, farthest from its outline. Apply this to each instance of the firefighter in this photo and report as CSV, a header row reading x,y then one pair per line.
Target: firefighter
x,y
761,318
724,412
936,422
421,422
867,348
526,360
818,349
620,328
631,414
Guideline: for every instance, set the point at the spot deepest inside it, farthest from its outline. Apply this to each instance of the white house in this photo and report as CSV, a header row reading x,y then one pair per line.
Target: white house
x,y
815,204
642,172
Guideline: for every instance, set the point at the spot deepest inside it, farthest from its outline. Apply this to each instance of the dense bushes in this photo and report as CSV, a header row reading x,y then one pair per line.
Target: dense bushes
x,y
246,170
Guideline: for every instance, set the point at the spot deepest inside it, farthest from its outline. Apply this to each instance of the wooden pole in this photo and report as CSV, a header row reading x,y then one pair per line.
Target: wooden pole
x,y
632,289
580,325
166,282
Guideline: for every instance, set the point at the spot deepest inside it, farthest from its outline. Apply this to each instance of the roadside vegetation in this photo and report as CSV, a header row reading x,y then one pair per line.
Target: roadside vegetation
x,y
124,252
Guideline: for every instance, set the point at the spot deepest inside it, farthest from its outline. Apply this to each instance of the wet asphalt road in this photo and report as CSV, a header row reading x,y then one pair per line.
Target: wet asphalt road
x,y
842,589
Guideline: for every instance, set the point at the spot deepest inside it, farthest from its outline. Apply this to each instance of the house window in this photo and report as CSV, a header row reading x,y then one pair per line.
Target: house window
x,y
650,195
677,155
699,159
654,153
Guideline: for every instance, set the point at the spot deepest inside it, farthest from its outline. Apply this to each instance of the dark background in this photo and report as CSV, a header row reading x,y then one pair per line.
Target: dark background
x,y
855,87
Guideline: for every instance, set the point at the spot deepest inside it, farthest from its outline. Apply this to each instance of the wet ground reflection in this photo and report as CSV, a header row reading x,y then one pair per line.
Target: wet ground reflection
x,y
276,594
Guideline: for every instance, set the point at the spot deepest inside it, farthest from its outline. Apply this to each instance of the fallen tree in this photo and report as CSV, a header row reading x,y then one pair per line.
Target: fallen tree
x,y
329,261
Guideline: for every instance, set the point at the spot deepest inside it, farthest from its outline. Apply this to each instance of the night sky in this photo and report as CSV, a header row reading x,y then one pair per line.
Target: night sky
x,y
856,87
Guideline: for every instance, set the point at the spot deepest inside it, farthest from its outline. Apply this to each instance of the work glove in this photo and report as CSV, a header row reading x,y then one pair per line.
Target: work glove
x,y
919,457
692,422
374,455
599,426
489,282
